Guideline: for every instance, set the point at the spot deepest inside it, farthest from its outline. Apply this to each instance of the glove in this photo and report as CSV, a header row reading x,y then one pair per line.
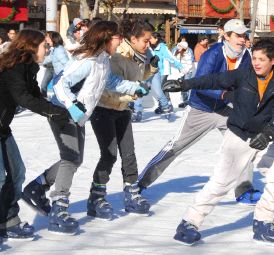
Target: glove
x,y
75,112
176,85
178,65
261,140
60,119
142,89
228,96
154,61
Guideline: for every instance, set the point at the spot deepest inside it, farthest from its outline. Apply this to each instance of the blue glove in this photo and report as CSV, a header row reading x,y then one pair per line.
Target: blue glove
x,y
178,65
75,113
142,89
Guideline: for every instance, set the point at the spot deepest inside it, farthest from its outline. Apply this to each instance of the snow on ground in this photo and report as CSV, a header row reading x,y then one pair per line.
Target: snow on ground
x,y
226,230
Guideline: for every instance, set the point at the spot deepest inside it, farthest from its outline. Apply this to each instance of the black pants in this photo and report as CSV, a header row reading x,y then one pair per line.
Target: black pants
x,y
113,129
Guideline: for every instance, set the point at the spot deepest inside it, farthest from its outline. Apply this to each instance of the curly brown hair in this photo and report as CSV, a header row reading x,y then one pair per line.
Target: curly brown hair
x,y
22,49
97,37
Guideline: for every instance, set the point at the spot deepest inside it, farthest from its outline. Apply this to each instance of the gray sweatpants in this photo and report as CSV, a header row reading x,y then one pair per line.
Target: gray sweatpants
x,y
195,125
70,141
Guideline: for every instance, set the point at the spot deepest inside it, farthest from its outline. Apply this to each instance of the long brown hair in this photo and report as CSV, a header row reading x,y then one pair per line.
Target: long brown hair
x,y
97,37
22,49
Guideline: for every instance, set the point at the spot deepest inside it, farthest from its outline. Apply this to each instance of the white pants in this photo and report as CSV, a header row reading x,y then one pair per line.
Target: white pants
x,y
236,155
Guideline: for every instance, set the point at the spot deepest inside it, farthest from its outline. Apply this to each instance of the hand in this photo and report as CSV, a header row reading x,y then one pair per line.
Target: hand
x,y
261,140
228,96
154,61
75,113
142,89
175,86
60,119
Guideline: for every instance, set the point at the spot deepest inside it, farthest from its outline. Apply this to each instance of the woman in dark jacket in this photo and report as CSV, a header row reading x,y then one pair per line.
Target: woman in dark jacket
x,y
250,128
18,86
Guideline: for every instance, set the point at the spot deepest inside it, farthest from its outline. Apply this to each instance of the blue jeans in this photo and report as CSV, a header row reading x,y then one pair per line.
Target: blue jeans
x,y
156,86
12,176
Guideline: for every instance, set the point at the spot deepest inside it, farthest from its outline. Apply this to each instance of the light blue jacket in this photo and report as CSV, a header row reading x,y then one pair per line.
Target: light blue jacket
x,y
165,59
58,57
95,75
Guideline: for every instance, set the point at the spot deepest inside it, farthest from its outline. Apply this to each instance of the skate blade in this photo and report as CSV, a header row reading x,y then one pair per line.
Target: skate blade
x,y
29,202
10,239
63,233
96,217
262,242
180,237
134,212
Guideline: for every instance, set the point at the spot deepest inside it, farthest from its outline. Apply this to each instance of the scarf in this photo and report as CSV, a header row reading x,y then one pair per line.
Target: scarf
x,y
230,52
138,57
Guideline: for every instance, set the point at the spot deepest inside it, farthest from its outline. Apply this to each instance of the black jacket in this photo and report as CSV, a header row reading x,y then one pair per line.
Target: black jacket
x,y
18,86
249,115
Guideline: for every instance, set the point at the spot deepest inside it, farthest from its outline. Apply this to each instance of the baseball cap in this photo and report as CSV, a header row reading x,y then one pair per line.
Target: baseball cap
x,y
235,25
76,21
184,45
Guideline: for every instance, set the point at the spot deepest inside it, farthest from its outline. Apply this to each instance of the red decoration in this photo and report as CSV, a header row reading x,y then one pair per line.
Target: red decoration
x,y
21,7
210,12
271,23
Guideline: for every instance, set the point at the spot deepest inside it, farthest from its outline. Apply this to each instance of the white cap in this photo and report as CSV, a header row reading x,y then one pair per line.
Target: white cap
x,y
76,21
184,45
235,25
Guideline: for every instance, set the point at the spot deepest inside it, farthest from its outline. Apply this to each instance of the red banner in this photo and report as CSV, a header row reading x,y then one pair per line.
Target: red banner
x,y
7,11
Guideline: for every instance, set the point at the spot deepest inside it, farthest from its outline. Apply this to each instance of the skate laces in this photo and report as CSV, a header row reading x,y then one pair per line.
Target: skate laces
x,y
23,224
188,225
101,202
134,192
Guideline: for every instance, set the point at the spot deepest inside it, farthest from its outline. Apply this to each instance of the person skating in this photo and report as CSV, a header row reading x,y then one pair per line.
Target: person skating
x,y
208,110
18,69
90,64
250,129
111,123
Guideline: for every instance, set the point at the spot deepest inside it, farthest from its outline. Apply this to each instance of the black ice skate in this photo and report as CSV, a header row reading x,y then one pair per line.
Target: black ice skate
x,y
97,206
187,233
134,202
22,231
60,220
34,194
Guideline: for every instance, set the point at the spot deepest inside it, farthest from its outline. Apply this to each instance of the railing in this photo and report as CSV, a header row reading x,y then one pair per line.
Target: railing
x,y
263,23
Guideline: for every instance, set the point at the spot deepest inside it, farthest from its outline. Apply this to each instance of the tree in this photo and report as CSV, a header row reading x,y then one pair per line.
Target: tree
x,y
253,19
96,8
239,8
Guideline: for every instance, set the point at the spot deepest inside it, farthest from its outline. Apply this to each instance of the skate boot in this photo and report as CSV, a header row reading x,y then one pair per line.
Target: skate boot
x,y
168,111
34,194
134,202
21,231
250,197
187,233
60,220
158,110
97,206
263,232
137,116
